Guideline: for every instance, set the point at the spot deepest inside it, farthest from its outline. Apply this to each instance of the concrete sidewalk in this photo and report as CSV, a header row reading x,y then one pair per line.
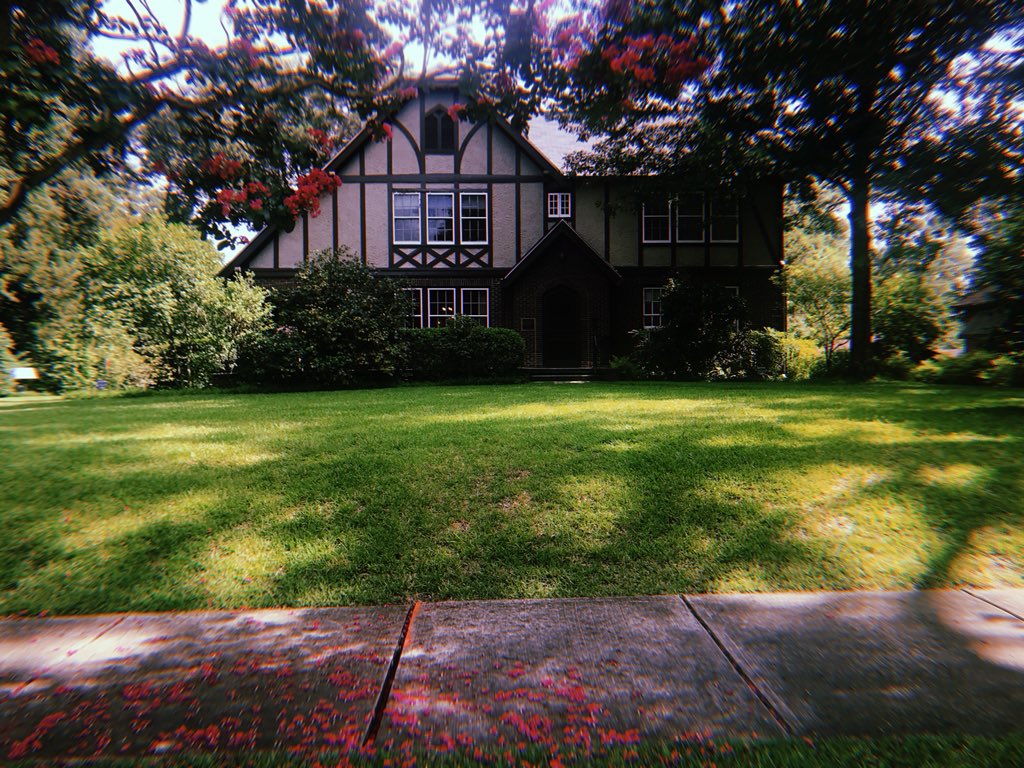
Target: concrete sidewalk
x,y
578,672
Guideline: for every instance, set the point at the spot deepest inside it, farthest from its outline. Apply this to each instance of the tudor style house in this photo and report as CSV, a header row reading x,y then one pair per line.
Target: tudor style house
x,y
477,220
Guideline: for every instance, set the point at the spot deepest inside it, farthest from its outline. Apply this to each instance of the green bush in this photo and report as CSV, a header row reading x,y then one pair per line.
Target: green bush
x,y
973,368
338,325
1006,371
839,368
801,356
462,349
757,356
898,367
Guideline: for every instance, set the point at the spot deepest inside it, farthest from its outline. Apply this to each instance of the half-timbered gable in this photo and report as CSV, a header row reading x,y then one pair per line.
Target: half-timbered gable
x,y
477,221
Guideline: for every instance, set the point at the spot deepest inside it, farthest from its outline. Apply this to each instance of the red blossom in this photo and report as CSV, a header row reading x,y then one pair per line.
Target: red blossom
x,y
455,110
321,139
39,53
310,187
389,132
221,166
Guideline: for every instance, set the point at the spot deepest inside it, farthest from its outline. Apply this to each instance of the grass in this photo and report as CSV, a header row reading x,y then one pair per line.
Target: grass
x,y
906,752
218,500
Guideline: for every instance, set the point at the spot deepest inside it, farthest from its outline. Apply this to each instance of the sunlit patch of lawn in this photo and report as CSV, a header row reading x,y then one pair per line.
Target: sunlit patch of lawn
x,y
224,500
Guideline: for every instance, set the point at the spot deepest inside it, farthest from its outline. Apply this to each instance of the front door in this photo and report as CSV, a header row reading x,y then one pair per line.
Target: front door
x,y
561,329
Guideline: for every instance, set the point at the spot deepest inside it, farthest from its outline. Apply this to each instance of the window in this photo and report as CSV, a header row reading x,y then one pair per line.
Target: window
x,y
559,205
475,304
725,219
656,222
473,217
415,318
440,306
690,217
652,308
440,217
406,217
438,132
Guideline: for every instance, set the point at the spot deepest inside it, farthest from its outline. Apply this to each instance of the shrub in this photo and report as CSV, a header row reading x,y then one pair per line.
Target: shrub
x,y
1006,371
338,325
759,356
463,349
973,368
906,319
836,368
801,356
699,338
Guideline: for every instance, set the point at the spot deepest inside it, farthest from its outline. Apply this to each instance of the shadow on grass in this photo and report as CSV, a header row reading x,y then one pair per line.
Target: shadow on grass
x,y
482,492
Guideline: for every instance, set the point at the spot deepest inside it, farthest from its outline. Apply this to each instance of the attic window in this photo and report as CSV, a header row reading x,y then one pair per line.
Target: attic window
x,y
438,132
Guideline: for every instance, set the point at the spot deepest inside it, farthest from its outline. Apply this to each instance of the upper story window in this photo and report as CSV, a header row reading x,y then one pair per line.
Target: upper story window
x,y
725,218
692,217
440,217
473,217
559,205
656,220
407,217
442,221
438,132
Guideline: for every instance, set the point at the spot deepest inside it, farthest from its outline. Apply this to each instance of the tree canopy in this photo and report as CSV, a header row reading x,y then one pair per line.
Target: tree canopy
x,y
910,100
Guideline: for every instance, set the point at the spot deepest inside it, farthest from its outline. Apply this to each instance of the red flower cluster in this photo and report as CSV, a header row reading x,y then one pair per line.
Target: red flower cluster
x,y
321,139
252,193
648,59
40,53
455,110
310,187
222,166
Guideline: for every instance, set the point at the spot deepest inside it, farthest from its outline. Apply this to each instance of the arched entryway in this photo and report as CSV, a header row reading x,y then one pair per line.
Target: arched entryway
x,y
561,328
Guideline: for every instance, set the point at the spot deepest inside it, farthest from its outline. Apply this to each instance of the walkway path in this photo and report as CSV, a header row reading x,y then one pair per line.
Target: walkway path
x,y
579,672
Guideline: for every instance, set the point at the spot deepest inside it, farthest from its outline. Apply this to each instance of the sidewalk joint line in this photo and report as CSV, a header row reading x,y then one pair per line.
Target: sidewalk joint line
x,y
994,605
734,662
389,677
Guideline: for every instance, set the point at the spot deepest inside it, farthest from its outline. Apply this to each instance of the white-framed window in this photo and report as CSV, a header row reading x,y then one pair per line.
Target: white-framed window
x,y
473,217
723,211
440,306
690,217
653,317
559,205
656,221
440,217
415,316
476,304
406,218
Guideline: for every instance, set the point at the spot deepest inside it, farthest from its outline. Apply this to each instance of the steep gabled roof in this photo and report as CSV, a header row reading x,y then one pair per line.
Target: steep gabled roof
x,y
561,231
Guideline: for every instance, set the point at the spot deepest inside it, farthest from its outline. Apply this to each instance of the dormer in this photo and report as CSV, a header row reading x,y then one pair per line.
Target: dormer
x,y
438,132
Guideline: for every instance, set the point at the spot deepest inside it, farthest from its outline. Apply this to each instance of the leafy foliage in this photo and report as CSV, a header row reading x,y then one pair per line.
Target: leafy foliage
x,y
1000,269
824,91
463,349
699,336
336,326
907,319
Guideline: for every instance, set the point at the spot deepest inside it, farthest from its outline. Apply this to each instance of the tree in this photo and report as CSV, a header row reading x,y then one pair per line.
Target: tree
x,y
240,131
162,279
843,92
908,318
338,324
8,359
817,287
1000,268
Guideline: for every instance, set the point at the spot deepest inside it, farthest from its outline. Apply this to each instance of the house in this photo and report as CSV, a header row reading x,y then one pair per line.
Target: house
x,y
478,220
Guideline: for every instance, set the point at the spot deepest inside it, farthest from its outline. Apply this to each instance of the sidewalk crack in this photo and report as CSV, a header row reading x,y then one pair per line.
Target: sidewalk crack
x,y
734,663
389,677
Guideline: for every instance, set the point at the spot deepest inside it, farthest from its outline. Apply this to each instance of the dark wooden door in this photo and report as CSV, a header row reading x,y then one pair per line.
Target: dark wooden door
x,y
561,330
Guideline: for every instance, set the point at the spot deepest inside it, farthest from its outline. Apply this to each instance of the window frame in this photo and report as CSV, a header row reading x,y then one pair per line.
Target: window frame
x,y
558,211
440,114
702,216
418,293
431,292
667,216
712,216
485,219
644,314
395,217
487,304
452,218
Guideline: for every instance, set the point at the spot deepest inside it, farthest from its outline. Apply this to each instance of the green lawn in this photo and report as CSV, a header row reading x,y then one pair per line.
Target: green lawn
x,y
531,490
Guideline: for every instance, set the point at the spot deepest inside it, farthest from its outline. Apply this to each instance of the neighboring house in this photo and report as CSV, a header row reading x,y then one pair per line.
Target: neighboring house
x,y
981,316
477,220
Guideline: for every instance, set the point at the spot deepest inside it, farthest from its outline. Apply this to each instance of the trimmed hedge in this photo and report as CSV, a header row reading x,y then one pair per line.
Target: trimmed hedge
x,y
463,349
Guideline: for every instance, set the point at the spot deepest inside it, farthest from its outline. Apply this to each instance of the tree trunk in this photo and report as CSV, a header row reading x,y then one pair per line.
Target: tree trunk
x,y
860,271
